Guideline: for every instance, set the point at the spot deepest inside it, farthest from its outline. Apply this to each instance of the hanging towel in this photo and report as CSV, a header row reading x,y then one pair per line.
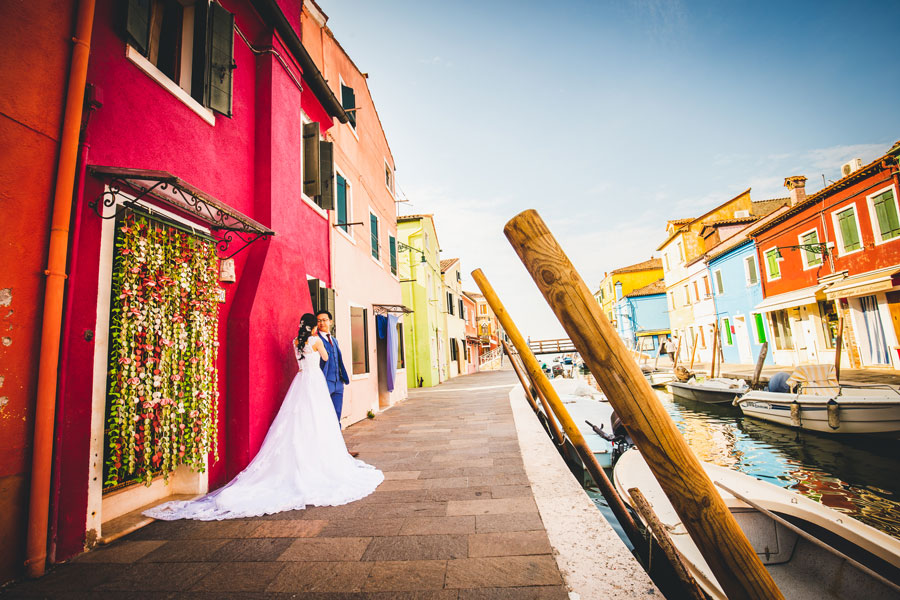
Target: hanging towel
x,y
392,321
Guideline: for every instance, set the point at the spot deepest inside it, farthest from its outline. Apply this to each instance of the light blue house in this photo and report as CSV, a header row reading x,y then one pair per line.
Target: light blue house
x,y
734,273
642,317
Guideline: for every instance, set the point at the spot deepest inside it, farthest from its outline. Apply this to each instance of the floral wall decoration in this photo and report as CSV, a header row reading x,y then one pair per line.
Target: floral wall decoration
x,y
162,388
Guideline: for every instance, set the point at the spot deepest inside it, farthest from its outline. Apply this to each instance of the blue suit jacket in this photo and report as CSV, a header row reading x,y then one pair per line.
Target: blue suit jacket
x,y
333,368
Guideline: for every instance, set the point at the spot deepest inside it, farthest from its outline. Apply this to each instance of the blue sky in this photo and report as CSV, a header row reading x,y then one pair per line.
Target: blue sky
x,y
611,117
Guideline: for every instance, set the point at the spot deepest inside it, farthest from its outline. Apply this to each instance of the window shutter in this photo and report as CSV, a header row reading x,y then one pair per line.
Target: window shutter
x,y
137,23
342,201
326,175
373,231
311,173
890,208
392,243
848,229
329,306
314,294
348,101
221,59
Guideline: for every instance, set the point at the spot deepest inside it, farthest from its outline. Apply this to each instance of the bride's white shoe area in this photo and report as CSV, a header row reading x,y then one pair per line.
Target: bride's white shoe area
x,y
302,462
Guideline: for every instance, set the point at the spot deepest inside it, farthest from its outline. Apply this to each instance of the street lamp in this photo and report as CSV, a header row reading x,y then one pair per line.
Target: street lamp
x,y
818,248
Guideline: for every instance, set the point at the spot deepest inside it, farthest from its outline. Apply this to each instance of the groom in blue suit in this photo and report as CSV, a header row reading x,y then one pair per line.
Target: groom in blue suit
x,y
333,368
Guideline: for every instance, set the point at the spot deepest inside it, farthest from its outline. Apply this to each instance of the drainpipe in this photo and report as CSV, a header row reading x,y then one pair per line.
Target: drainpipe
x,y
54,291
712,290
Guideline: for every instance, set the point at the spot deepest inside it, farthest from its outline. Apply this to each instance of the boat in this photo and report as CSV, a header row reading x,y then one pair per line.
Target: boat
x,y
821,404
587,405
811,551
658,377
717,390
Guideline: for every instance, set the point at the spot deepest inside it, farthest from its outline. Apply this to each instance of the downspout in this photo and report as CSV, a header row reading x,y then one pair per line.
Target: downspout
x,y
54,292
412,293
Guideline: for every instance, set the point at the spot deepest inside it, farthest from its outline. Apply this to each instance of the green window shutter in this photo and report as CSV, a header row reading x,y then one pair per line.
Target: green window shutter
x,y
326,175
342,202
849,235
221,59
314,293
727,325
751,270
760,329
719,282
392,244
886,211
328,294
137,24
373,230
348,101
311,174
812,258
772,262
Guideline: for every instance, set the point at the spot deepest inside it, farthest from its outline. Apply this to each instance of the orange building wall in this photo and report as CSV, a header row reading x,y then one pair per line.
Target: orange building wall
x,y
34,59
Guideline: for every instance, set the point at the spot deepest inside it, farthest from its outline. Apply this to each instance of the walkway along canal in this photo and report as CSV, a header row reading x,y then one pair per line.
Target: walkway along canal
x,y
460,516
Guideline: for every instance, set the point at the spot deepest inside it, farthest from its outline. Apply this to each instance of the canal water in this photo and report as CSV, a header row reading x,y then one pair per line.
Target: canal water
x,y
856,476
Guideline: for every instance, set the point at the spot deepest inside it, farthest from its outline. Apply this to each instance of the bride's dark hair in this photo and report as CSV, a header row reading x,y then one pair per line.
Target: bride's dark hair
x,y
307,327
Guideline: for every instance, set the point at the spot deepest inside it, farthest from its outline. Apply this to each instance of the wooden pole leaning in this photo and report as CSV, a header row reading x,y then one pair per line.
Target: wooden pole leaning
x,y
715,351
677,355
545,388
548,414
837,349
679,472
759,364
693,352
521,376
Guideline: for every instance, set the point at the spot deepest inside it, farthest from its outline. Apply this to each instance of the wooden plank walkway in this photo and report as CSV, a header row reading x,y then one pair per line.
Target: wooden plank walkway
x,y
456,518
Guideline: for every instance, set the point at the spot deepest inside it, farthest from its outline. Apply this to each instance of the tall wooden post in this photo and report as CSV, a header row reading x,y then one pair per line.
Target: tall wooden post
x,y
554,428
715,350
677,354
837,349
693,352
679,472
521,376
759,364
544,387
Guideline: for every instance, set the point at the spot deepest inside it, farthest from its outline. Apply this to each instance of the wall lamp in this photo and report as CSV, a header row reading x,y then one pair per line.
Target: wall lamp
x,y
823,249
403,246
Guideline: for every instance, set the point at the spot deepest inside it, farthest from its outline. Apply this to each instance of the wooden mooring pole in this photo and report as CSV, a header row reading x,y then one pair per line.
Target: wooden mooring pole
x,y
525,385
837,349
548,415
761,359
544,387
679,472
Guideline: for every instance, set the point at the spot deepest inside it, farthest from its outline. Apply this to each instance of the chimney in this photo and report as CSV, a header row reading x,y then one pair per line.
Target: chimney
x,y
796,185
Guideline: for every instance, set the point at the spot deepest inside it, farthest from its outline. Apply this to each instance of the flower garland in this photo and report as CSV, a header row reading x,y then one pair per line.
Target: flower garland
x,y
163,391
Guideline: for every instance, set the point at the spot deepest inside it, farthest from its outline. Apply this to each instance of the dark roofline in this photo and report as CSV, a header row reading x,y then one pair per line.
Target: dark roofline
x,y
272,14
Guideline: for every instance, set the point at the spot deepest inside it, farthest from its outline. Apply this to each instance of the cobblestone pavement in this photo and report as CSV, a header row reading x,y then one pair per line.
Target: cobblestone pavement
x,y
455,519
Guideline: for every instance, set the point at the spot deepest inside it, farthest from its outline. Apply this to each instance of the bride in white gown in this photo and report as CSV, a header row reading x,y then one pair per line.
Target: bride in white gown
x,y
303,460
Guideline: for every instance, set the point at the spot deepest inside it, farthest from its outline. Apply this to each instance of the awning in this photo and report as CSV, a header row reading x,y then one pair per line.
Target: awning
x,y
646,332
386,309
176,193
807,295
864,284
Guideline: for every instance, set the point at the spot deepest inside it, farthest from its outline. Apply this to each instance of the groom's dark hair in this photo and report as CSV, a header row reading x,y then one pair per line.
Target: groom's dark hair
x,y
325,312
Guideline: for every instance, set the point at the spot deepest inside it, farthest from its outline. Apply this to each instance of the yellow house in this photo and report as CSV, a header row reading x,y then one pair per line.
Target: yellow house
x,y
623,281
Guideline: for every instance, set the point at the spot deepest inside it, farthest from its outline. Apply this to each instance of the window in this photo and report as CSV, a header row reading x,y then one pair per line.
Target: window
x,y
342,204
462,314
190,43
672,299
828,311
373,232
322,298
781,326
348,103
450,303
454,349
359,328
750,270
687,295
388,177
706,285
666,260
726,327
760,328
696,292
401,349
318,167
885,223
482,309
681,252
848,229
702,337
810,258
772,269
392,247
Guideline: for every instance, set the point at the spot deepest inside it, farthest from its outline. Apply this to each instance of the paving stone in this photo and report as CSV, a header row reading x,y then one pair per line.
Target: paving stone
x,y
392,497
239,577
158,577
491,506
508,571
391,475
252,550
326,549
328,513
292,529
362,527
511,543
300,577
122,551
72,577
438,525
508,522
408,575
516,593
501,479
417,547
185,551
402,485
458,493
409,509
220,529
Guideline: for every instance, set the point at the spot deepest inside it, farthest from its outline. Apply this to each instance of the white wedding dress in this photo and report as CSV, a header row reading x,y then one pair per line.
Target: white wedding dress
x,y
303,461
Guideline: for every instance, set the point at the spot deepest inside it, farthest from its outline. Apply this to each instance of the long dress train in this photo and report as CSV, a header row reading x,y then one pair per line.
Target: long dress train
x,y
303,461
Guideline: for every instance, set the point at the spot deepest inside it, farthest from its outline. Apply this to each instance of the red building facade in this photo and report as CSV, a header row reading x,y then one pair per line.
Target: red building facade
x,y
835,254
206,120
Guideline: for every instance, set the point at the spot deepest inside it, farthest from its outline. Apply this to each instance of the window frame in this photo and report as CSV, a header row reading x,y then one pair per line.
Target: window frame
x,y
748,262
346,231
393,262
726,326
769,276
718,282
389,170
835,220
706,287
375,240
687,295
804,253
352,122
759,321
353,375
873,217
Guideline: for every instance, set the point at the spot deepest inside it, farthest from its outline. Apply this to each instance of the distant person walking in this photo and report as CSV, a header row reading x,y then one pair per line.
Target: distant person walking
x,y
668,347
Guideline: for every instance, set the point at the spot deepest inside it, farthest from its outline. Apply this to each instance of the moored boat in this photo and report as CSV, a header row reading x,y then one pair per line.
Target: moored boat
x,y
659,377
718,390
810,550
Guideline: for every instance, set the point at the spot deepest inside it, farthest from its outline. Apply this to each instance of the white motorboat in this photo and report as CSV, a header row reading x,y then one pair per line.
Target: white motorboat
x,y
717,390
659,377
811,551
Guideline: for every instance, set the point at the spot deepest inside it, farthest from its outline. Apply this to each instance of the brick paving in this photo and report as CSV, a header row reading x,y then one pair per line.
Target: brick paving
x,y
454,519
